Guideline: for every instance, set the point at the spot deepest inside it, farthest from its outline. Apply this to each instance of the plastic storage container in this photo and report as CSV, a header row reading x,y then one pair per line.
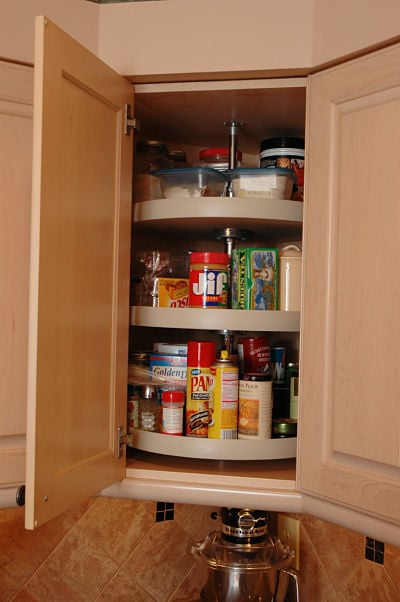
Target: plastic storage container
x,y
150,155
269,183
191,182
286,152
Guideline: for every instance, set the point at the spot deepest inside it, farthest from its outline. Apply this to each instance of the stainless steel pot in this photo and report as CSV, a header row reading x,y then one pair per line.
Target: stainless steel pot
x,y
254,571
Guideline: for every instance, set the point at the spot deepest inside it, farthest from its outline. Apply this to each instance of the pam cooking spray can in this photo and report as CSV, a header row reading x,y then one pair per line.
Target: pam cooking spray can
x,y
201,354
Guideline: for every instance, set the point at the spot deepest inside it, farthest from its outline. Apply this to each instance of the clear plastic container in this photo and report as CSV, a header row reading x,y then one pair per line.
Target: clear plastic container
x,y
150,155
262,182
191,182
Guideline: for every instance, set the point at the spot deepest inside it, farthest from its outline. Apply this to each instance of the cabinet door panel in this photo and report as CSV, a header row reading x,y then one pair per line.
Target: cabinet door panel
x,y
79,276
350,415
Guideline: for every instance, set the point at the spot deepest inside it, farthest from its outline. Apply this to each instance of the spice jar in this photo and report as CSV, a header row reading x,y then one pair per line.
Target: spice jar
x,y
176,159
208,280
150,155
149,410
172,402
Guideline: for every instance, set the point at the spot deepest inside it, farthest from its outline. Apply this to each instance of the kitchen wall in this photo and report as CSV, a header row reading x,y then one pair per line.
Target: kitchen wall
x,y
177,36
109,549
79,18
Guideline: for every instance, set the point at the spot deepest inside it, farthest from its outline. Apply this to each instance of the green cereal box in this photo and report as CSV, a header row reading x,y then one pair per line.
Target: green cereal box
x,y
254,278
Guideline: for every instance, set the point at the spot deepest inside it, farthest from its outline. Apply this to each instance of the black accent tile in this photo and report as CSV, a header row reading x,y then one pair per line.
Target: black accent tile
x,y
165,511
374,550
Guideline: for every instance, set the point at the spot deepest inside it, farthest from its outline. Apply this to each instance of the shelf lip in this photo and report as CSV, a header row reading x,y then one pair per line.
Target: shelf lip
x,y
215,319
215,449
264,496
265,210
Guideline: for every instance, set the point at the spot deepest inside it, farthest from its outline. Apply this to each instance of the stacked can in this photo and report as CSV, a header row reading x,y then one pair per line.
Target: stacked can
x,y
224,399
201,354
255,406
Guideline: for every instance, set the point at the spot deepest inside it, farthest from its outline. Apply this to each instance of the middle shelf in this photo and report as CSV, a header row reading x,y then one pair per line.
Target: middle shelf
x,y
215,319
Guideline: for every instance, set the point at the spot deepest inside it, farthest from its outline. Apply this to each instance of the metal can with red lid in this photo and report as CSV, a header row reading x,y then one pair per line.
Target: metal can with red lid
x,y
208,280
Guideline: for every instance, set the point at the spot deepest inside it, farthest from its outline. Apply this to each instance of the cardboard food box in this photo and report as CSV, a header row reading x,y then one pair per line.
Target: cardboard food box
x,y
254,278
173,292
169,369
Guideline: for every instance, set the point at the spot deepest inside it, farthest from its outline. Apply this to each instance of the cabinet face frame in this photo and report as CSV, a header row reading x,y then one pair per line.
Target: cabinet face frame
x,y
79,288
349,418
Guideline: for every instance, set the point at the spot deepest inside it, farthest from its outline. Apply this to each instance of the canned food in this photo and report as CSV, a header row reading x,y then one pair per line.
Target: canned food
x,y
278,364
255,407
254,354
283,428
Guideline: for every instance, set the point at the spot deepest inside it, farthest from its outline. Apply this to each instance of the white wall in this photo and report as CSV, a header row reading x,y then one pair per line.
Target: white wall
x,y
345,26
189,36
185,36
78,17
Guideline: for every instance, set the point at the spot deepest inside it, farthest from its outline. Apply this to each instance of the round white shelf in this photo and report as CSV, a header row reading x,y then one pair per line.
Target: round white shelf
x,y
196,217
214,449
215,319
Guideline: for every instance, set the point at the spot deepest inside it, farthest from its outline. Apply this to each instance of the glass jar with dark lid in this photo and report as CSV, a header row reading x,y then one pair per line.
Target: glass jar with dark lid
x,y
150,156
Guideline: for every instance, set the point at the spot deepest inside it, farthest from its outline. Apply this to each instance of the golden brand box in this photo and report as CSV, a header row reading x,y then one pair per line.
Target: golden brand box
x,y
254,278
172,292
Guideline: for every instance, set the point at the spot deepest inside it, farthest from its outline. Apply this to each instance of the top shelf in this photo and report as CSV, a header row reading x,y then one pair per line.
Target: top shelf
x,y
196,217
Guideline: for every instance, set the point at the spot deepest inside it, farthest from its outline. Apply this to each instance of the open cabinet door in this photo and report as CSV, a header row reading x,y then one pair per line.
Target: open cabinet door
x,y
79,283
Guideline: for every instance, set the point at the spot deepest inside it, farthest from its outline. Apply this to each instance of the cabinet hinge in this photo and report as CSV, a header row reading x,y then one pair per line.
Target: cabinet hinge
x,y
122,441
129,121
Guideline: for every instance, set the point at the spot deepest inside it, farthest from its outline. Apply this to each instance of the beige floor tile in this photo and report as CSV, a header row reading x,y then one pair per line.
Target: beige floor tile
x,y
8,585
117,525
47,586
338,549
196,520
161,561
368,582
78,563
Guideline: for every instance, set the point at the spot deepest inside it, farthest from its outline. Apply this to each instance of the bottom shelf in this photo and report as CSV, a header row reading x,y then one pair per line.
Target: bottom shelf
x,y
214,449
280,474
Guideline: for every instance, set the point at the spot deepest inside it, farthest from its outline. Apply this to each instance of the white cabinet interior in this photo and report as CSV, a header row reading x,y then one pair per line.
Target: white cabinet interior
x,y
189,117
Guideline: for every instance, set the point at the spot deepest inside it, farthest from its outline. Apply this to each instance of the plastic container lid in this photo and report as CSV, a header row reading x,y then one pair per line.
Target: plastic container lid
x,y
290,251
282,142
207,153
151,145
209,257
201,353
261,172
184,171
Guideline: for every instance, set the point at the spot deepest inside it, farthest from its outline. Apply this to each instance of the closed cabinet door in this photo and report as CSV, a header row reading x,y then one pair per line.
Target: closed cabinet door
x,y
350,368
79,284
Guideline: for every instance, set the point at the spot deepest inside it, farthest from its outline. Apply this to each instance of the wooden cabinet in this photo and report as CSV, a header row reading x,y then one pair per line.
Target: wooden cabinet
x,y
16,84
350,412
80,278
